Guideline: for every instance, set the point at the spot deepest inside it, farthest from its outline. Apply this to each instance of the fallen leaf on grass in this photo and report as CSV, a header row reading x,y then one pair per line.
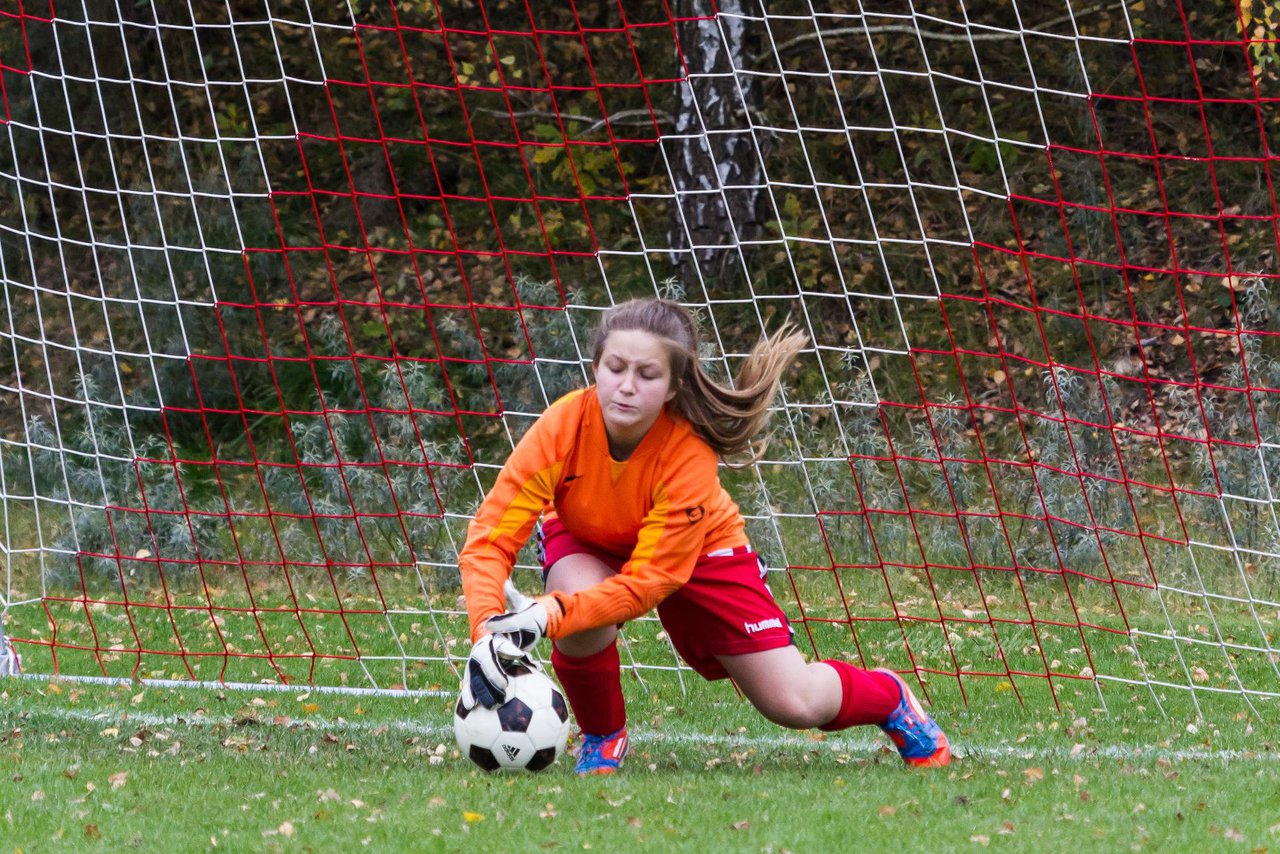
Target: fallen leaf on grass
x,y
118,780
472,817
980,838
240,743
285,829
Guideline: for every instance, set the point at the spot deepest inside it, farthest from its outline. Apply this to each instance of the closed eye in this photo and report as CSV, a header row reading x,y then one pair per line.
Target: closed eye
x,y
646,372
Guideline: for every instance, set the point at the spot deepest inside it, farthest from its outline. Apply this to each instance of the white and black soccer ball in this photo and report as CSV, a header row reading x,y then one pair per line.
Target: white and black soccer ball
x,y
526,733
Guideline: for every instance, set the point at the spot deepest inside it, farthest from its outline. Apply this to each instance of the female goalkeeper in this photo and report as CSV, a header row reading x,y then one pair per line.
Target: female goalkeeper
x,y
624,476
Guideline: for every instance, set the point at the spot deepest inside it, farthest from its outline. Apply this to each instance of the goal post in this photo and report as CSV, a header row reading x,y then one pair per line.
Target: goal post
x,y
285,281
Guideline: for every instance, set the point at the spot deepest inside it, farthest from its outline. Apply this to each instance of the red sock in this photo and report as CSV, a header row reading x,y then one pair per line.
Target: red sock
x,y
593,686
868,697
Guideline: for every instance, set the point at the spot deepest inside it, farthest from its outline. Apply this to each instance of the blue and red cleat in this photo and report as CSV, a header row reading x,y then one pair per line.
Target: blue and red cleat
x,y
918,737
602,754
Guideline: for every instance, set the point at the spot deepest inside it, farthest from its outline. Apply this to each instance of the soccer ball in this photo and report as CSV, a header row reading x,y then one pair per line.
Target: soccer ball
x,y
526,733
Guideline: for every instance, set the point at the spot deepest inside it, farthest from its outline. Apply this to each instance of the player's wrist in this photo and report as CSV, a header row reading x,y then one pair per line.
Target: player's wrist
x,y
554,607
480,624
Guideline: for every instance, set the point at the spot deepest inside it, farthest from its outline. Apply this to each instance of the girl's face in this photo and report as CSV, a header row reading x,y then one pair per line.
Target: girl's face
x,y
633,383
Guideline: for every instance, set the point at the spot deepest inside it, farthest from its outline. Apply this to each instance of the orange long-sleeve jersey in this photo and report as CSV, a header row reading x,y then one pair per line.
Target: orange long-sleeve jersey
x,y
659,509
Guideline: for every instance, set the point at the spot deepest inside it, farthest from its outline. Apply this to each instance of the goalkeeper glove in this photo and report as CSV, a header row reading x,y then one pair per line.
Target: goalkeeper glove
x,y
493,661
526,626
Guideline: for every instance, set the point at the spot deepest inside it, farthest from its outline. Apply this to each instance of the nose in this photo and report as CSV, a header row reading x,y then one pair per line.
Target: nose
x,y
628,382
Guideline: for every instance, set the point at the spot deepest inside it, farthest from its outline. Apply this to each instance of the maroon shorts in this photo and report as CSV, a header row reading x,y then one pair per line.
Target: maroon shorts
x,y
725,608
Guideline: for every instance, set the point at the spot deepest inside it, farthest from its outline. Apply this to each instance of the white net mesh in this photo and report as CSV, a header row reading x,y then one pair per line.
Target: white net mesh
x,y
283,286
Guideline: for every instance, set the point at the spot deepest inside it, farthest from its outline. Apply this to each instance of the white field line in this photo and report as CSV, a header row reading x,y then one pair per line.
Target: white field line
x,y
348,690
961,749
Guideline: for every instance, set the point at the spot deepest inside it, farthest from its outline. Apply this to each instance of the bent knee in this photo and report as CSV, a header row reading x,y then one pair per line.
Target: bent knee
x,y
588,642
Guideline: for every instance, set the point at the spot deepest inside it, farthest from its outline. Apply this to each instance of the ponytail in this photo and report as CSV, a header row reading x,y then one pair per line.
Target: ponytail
x,y
726,417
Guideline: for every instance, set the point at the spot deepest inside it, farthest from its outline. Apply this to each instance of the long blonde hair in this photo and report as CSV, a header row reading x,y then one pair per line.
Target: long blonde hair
x,y
726,417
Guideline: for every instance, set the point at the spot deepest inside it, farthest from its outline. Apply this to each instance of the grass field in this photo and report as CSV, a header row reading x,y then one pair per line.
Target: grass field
x,y
1045,764
128,767
1108,766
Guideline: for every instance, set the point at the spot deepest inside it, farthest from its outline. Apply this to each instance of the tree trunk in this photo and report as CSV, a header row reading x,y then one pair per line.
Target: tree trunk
x,y
715,164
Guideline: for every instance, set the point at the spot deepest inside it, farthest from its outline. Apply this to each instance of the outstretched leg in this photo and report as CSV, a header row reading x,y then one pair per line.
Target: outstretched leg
x,y
835,695
800,695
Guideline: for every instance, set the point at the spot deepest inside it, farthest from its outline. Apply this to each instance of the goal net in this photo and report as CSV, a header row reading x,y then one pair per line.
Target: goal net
x,y
284,281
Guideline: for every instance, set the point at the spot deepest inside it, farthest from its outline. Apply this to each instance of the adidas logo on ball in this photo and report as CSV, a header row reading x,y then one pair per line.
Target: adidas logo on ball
x,y
527,732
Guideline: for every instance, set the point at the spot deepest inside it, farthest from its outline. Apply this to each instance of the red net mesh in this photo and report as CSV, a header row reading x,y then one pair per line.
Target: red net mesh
x,y
339,265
